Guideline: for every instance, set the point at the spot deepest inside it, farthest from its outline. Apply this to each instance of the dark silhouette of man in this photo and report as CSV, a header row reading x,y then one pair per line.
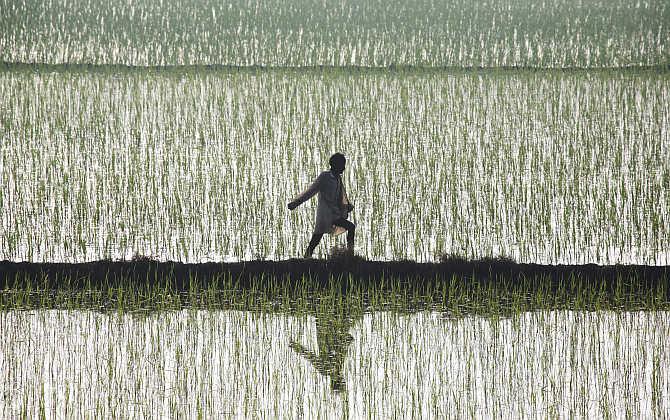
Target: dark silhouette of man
x,y
333,207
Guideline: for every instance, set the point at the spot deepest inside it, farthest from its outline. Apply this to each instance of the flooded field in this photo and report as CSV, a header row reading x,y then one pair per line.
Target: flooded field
x,y
545,167
534,130
486,143
196,363
270,346
528,33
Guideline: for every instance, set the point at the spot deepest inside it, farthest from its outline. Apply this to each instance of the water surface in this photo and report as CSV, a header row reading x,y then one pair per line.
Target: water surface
x,y
381,364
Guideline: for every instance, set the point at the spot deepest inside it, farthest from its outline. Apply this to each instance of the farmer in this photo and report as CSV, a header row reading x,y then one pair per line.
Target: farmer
x,y
334,206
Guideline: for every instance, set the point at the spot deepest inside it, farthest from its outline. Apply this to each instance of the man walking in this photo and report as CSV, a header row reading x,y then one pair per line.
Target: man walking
x,y
333,207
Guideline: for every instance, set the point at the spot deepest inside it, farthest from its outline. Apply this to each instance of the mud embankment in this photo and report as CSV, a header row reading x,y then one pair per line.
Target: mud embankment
x,y
319,272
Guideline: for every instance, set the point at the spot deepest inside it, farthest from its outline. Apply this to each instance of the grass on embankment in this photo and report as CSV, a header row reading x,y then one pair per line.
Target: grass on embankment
x,y
491,286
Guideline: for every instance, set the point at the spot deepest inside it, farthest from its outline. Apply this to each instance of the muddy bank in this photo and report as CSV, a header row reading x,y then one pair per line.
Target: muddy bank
x,y
320,272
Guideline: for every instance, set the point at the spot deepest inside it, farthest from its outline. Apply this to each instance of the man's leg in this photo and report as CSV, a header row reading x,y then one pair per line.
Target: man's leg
x,y
316,238
351,230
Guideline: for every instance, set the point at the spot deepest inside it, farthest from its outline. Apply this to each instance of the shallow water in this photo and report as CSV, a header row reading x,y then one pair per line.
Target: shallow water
x,y
383,364
544,167
560,33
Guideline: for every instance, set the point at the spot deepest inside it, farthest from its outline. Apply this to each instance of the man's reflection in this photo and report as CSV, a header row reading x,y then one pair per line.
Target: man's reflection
x,y
333,339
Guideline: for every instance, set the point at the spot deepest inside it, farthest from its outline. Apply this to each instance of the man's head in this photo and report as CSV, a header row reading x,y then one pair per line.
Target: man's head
x,y
337,163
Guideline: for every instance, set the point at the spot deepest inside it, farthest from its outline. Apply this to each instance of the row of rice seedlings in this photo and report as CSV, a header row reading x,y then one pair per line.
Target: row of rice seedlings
x,y
561,33
240,363
197,166
498,296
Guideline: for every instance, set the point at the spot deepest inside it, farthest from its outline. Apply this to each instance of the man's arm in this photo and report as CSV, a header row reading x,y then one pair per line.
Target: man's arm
x,y
307,194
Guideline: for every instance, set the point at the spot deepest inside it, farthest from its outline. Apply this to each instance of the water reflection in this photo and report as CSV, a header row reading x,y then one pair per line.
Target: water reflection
x,y
222,364
333,340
